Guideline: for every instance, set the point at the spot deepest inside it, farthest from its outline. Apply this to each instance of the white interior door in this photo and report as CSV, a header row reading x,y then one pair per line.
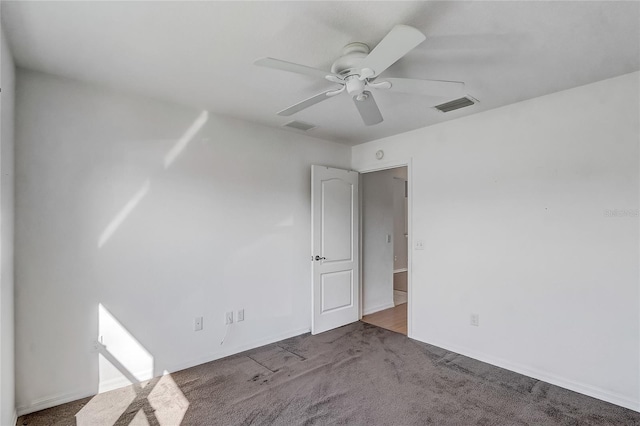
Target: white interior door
x,y
334,245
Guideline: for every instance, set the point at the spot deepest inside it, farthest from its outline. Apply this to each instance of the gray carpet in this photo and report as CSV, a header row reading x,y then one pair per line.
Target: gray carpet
x,y
358,374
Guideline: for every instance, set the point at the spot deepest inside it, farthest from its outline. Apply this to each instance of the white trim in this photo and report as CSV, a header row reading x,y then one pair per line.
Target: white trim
x,y
360,246
63,398
235,350
551,378
408,163
378,308
394,164
15,417
397,271
53,400
120,382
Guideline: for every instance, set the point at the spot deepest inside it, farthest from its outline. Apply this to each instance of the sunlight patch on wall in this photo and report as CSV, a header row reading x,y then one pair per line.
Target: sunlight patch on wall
x,y
121,356
122,214
187,137
123,360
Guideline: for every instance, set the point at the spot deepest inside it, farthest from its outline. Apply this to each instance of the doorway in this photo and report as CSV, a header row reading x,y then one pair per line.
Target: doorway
x,y
385,248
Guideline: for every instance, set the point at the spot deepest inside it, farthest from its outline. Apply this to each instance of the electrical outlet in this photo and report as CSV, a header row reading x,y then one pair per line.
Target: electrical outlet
x,y
475,320
419,245
228,318
240,315
97,344
197,324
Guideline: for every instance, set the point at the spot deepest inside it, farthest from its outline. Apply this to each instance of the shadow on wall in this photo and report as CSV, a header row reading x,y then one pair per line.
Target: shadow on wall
x,y
121,357
169,158
253,248
154,400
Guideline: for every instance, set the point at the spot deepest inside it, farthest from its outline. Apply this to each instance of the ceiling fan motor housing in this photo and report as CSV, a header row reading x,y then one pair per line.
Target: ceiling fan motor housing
x,y
352,55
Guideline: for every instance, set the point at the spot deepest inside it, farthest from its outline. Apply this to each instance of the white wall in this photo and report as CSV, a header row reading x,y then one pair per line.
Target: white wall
x,y
131,222
511,205
7,393
400,256
377,253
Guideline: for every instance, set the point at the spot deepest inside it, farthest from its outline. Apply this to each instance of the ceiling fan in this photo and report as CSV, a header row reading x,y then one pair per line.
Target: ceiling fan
x,y
358,69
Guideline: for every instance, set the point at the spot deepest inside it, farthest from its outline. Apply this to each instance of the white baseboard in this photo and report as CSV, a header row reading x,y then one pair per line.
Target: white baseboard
x,y
63,398
53,400
121,381
236,349
378,308
553,379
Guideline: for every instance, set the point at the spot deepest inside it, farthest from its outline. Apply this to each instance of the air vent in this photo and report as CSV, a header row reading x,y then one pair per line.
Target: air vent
x,y
300,125
456,104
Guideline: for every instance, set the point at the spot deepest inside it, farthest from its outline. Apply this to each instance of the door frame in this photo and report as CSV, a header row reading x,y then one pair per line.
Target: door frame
x,y
394,164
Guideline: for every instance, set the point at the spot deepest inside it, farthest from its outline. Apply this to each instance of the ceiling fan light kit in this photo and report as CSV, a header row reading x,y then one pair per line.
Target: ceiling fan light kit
x,y
357,71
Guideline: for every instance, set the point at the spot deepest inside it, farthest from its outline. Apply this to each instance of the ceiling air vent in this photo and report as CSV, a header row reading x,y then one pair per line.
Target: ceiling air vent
x,y
300,125
456,104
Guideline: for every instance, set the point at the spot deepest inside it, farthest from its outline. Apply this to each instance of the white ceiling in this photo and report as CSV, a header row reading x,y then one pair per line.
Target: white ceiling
x,y
201,53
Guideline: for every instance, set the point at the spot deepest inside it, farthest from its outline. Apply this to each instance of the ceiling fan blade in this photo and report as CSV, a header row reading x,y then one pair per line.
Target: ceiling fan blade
x,y
291,67
306,103
400,41
368,109
446,89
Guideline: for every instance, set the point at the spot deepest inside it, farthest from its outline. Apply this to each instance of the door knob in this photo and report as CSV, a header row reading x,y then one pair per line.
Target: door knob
x,y
320,258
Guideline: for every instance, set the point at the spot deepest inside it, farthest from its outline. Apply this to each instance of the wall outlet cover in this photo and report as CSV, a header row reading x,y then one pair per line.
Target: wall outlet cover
x,y
197,324
475,320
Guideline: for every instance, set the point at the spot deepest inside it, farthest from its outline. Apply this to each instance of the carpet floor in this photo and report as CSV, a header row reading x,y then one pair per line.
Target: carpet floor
x,y
358,374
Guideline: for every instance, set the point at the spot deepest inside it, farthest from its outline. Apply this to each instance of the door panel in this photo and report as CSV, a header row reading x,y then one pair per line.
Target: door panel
x,y
337,218
337,291
334,222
